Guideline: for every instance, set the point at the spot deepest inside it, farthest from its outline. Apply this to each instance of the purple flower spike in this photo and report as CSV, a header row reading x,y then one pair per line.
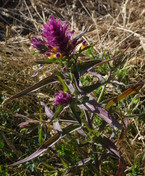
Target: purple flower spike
x,y
39,44
57,35
62,98
55,39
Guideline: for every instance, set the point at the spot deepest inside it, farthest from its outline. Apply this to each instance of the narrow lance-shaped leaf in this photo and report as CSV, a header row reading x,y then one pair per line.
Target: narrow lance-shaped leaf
x,y
121,168
127,92
71,88
48,112
65,88
77,116
107,61
92,106
57,127
40,134
58,111
48,61
28,122
80,35
36,86
84,89
64,162
84,66
109,145
89,89
50,142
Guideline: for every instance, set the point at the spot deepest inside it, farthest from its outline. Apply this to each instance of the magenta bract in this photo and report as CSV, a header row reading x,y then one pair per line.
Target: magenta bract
x,y
39,44
62,98
56,38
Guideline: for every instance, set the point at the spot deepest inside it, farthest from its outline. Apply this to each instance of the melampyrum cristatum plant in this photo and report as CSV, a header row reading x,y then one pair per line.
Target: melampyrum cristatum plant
x,y
58,47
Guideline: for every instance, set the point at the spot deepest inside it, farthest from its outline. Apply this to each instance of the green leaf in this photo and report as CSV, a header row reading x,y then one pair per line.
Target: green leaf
x,y
49,167
65,164
40,134
31,167
58,111
65,88
2,144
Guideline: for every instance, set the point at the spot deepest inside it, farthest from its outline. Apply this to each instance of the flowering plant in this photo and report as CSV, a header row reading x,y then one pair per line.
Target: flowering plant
x,y
76,98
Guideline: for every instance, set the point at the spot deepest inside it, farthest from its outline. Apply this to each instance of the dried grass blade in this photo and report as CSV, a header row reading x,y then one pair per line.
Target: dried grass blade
x,y
127,92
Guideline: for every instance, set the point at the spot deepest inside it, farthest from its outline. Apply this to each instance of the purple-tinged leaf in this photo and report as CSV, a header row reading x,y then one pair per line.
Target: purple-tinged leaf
x,y
71,88
57,127
84,89
81,132
40,84
48,112
109,145
41,66
75,113
82,67
50,142
89,89
28,122
34,155
92,106
100,77
35,74
79,36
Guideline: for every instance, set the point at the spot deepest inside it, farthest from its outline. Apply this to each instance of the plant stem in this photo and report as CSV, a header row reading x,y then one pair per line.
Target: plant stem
x,y
101,94
93,146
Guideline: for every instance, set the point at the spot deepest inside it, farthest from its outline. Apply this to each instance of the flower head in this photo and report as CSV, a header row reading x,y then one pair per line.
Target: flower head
x,y
62,98
56,39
